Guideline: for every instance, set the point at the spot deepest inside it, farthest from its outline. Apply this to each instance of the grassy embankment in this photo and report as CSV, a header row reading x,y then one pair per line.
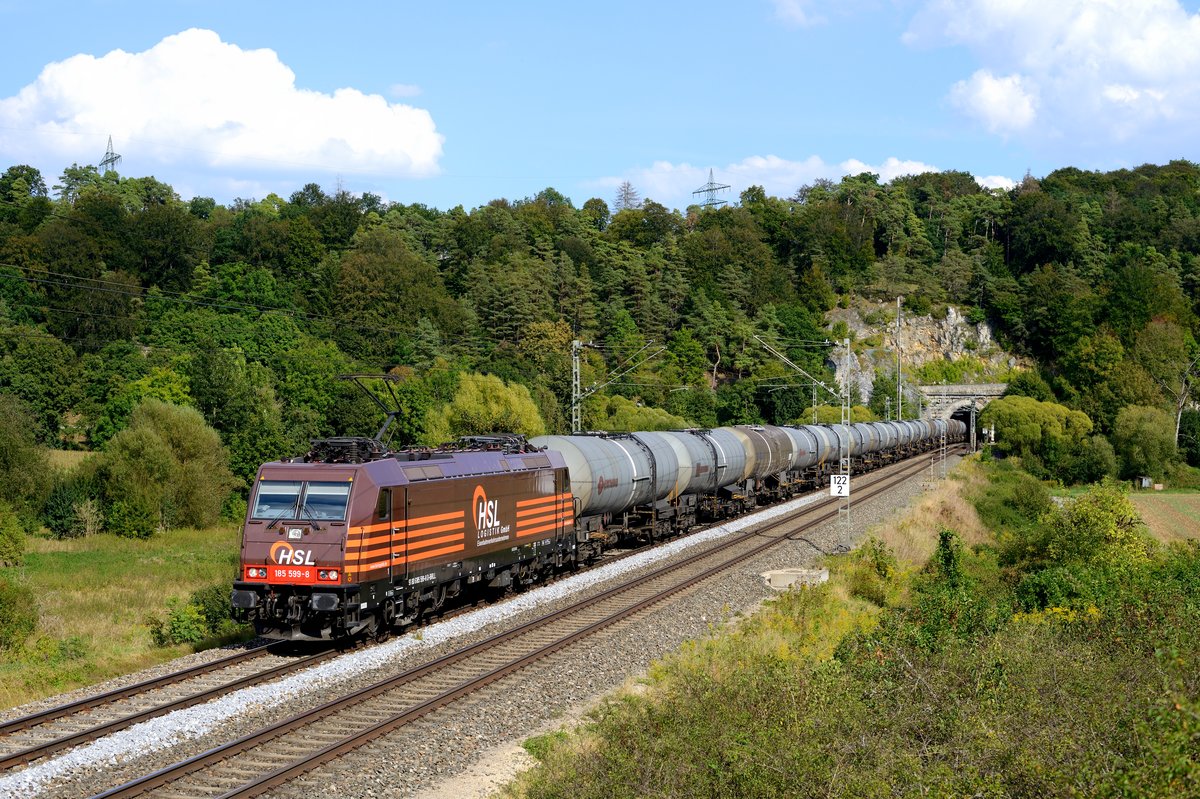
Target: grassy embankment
x,y
97,600
1053,657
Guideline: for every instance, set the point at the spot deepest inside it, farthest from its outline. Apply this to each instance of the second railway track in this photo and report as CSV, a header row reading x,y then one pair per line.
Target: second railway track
x,y
280,752
48,731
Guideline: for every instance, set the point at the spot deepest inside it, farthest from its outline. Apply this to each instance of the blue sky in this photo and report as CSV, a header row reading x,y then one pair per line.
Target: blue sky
x,y
448,104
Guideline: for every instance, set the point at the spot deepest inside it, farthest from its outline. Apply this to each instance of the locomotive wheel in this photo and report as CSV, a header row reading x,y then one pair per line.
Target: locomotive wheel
x,y
383,631
384,622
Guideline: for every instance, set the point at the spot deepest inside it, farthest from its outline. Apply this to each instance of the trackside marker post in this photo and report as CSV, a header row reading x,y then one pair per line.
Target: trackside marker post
x,y
839,485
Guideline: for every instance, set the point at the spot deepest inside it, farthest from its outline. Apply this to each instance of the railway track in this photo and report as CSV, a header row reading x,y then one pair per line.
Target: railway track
x,y
281,752
48,731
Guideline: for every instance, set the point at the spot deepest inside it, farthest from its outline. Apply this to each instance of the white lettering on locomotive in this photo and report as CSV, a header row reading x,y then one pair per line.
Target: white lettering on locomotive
x,y
488,527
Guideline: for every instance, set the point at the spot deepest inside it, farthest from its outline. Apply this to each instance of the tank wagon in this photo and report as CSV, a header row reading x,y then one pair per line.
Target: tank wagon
x,y
353,538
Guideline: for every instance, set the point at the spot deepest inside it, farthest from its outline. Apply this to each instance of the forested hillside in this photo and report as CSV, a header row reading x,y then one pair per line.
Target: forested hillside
x,y
114,291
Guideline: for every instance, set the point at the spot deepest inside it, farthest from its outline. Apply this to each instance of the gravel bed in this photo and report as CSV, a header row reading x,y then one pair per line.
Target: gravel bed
x,y
412,762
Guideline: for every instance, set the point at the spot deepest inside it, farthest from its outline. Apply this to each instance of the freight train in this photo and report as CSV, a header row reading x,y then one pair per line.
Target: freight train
x,y
354,538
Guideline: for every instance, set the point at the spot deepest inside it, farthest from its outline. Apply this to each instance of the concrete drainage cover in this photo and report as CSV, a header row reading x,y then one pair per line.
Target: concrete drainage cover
x,y
783,579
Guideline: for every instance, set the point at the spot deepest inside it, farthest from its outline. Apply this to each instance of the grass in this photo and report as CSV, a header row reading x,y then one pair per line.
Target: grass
x,y
67,459
1170,516
95,597
916,672
911,535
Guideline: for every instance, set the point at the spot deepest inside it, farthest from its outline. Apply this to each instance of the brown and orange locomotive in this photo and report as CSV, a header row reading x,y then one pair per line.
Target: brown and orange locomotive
x,y
354,538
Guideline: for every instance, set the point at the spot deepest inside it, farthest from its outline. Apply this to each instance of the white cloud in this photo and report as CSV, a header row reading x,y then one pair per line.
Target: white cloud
x,y
889,170
193,97
996,182
1003,105
796,12
405,90
673,184
1075,71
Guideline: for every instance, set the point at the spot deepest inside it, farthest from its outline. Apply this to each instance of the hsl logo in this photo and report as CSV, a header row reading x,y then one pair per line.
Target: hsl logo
x,y
488,526
285,554
487,512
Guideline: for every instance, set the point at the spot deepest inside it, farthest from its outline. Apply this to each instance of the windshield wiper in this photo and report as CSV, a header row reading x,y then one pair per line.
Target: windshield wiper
x,y
312,517
282,513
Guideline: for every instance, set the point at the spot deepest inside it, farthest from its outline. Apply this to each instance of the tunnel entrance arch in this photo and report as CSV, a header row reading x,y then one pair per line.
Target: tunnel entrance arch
x,y
962,402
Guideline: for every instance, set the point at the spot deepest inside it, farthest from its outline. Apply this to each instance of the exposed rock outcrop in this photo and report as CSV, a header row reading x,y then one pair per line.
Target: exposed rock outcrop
x,y
922,340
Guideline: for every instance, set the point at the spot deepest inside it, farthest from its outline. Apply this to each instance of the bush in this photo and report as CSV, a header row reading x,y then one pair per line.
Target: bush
x,y
1011,503
872,570
59,511
166,469
132,518
917,304
73,510
25,471
1100,526
1144,439
1095,461
12,538
204,616
1044,432
184,625
214,607
18,614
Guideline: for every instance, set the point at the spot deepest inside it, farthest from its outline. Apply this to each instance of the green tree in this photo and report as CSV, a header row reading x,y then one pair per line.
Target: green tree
x,y
485,404
25,472
1043,433
159,383
1029,383
166,469
620,414
1170,355
1144,440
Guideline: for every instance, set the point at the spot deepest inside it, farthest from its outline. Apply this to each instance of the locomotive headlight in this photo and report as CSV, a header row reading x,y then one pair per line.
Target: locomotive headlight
x,y
255,572
327,574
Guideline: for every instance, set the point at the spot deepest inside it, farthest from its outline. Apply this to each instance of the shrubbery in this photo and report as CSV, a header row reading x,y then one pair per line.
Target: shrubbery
x,y
73,509
166,469
203,617
1144,438
954,691
1048,437
18,613
12,537
25,472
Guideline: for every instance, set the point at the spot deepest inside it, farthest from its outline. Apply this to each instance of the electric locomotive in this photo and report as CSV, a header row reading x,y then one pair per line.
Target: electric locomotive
x,y
353,539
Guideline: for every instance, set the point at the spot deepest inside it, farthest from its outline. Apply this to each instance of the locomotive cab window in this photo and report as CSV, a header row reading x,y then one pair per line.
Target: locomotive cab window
x,y
275,498
319,501
326,501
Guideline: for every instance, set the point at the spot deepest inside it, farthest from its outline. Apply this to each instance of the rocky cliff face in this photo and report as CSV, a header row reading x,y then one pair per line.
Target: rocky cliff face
x,y
922,340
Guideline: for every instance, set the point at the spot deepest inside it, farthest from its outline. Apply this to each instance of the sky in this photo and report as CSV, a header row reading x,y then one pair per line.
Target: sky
x,y
450,104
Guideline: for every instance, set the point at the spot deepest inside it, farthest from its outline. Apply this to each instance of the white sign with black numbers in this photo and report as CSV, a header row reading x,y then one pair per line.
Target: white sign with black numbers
x,y
839,485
